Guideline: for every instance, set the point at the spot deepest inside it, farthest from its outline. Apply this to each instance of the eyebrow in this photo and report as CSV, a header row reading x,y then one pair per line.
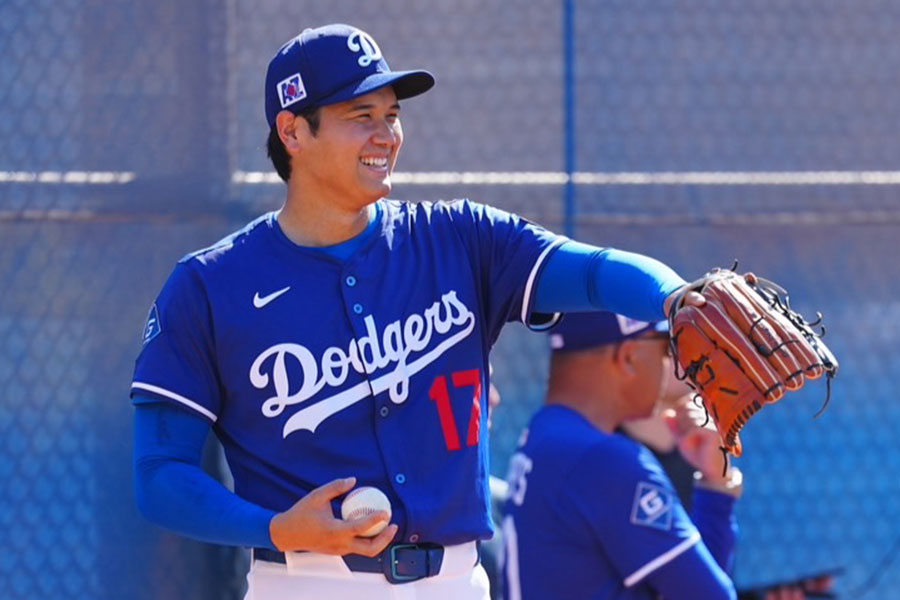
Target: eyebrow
x,y
369,106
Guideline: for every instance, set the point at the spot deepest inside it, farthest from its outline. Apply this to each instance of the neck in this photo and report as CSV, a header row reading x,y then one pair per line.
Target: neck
x,y
309,222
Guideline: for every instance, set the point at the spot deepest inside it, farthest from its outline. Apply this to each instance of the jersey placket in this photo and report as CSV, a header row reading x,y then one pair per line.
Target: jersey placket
x,y
358,291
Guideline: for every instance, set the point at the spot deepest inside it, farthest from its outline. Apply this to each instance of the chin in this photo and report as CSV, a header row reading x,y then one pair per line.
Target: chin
x,y
381,190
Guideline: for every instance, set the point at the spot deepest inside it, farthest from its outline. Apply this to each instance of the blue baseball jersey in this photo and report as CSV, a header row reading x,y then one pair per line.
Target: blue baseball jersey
x,y
311,368
589,514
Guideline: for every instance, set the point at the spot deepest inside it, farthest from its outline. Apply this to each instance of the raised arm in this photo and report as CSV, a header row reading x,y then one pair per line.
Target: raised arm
x,y
580,277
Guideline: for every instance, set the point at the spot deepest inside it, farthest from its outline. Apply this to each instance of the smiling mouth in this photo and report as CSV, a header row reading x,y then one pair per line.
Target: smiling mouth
x,y
377,163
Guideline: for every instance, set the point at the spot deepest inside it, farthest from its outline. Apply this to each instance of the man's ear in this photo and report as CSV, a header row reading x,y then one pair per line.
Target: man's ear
x,y
292,130
625,357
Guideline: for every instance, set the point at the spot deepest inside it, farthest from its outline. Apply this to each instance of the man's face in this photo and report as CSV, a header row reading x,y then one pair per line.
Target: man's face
x,y
651,363
350,159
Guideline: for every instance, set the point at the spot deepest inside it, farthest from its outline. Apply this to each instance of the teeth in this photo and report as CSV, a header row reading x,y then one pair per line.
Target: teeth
x,y
374,162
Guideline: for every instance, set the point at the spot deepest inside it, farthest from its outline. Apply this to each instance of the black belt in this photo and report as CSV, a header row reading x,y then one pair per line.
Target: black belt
x,y
400,563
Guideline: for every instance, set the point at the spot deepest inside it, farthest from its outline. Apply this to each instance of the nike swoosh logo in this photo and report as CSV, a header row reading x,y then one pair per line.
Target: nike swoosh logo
x,y
259,302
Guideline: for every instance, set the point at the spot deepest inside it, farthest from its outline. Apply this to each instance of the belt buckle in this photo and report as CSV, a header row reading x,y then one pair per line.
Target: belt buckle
x,y
391,571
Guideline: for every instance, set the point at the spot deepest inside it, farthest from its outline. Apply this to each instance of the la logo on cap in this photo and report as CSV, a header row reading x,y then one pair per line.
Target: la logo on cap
x,y
628,326
362,41
291,90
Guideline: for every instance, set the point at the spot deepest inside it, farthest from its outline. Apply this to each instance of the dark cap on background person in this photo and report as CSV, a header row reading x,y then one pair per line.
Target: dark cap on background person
x,y
584,330
332,64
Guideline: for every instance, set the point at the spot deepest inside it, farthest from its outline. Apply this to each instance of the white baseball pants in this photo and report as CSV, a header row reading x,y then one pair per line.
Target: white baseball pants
x,y
311,576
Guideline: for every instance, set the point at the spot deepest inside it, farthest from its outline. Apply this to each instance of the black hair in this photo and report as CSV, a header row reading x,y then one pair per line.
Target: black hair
x,y
275,149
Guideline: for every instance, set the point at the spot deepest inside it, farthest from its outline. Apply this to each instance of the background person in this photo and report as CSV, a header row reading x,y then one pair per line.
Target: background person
x,y
591,513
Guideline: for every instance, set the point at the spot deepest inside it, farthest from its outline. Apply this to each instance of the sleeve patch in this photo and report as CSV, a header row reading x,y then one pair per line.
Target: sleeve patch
x,y
153,327
652,506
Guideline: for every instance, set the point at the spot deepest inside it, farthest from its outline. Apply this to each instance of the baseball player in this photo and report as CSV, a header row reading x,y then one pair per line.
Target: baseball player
x,y
343,340
592,512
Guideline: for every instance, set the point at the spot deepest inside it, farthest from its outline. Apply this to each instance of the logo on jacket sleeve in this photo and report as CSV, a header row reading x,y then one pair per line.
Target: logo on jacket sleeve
x,y
652,506
152,327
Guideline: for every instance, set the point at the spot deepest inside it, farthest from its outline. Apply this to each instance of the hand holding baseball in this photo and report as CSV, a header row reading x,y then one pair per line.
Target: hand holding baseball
x,y
363,502
310,525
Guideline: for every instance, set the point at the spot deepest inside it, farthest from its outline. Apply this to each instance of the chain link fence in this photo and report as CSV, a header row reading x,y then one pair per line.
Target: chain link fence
x,y
704,131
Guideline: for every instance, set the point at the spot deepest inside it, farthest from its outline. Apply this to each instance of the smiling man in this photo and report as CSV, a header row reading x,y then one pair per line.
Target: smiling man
x,y
344,340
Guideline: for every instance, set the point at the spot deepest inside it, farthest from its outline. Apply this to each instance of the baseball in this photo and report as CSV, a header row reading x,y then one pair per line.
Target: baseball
x,y
362,502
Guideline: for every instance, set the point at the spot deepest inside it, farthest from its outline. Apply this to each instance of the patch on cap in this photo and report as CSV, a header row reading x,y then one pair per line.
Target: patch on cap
x,y
291,90
628,326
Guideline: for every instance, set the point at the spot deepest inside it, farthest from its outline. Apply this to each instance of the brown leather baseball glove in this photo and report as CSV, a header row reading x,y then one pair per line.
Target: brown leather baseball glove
x,y
744,348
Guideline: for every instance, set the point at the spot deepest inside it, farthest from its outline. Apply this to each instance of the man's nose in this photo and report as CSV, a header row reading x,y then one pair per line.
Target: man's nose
x,y
385,134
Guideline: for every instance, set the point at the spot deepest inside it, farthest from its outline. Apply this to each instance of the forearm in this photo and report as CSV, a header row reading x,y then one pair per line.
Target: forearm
x,y
173,491
579,277
183,498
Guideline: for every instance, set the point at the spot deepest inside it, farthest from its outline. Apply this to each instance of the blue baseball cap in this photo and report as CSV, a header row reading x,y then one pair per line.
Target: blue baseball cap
x,y
583,330
331,64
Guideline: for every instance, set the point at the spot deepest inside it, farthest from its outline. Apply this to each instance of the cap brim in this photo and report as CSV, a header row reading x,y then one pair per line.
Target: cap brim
x,y
406,84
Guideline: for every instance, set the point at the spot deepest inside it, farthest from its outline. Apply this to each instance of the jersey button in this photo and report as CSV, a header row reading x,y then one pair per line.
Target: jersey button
x,y
383,411
351,280
414,538
357,308
400,478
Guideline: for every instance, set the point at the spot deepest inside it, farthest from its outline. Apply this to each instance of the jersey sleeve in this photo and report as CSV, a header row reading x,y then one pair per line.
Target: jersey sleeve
x,y
691,575
580,277
176,363
713,513
620,492
509,254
